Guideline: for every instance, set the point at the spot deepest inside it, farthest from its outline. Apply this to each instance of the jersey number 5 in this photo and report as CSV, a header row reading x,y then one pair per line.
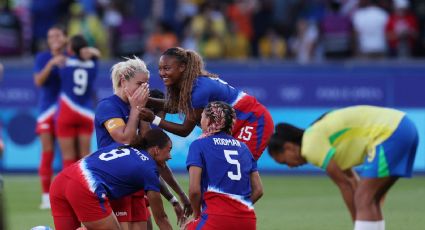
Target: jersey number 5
x,y
80,81
230,174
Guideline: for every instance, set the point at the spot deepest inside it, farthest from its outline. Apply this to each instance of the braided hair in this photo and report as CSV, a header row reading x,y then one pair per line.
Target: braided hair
x,y
222,118
178,99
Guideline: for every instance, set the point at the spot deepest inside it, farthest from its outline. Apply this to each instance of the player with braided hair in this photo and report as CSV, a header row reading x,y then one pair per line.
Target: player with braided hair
x,y
223,179
190,88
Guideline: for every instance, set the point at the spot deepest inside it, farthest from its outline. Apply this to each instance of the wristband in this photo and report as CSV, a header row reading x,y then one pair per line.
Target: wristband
x,y
156,120
173,200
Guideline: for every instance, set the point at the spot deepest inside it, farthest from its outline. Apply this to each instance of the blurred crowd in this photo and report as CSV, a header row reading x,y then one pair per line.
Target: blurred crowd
x,y
303,30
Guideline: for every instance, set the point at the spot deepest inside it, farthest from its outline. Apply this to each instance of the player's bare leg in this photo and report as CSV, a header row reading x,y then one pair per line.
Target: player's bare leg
x,y
367,201
45,170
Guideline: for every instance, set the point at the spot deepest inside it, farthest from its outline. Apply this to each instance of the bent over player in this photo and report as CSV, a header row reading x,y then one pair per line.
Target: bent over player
x,y
190,88
82,192
382,140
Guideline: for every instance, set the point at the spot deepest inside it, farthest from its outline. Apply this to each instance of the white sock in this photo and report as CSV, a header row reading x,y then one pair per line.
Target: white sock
x,y
369,225
381,225
45,198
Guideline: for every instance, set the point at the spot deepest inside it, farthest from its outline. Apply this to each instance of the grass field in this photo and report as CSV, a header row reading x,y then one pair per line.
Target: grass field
x,y
289,202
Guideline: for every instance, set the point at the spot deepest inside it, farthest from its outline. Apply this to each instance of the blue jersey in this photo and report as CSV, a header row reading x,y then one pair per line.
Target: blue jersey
x,y
226,165
49,91
119,170
77,78
108,108
206,89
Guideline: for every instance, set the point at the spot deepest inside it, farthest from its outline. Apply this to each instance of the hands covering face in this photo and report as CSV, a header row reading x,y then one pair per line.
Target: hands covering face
x,y
140,96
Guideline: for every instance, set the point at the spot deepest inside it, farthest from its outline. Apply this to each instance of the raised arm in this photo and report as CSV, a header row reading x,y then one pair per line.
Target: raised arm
x,y
182,130
344,184
195,189
161,218
125,133
256,187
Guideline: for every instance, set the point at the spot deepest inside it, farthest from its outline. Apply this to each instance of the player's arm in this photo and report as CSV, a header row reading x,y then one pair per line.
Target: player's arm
x,y
182,130
168,177
90,53
161,218
344,185
166,193
195,174
124,133
157,103
41,77
256,187
143,127
120,131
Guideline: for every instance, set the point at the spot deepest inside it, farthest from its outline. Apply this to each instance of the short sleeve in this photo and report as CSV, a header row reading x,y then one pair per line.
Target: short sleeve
x,y
107,110
151,180
316,147
200,94
194,157
254,165
40,62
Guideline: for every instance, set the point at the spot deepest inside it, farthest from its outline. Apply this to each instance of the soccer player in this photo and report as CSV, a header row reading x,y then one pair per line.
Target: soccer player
x,y
117,120
46,77
223,179
382,140
82,192
74,118
190,88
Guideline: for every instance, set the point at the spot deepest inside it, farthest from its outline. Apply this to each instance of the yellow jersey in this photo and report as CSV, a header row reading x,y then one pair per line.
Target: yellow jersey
x,y
348,135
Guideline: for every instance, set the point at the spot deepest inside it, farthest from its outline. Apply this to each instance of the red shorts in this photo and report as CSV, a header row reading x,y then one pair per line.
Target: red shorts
x,y
70,197
72,121
206,222
224,212
254,124
45,122
131,208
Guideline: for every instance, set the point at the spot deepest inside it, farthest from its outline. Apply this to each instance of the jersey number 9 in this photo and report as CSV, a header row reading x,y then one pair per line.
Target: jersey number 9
x,y
80,81
230,174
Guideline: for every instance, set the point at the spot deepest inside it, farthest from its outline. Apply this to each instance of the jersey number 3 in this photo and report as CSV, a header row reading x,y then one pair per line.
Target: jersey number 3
x,y
230,174
80,80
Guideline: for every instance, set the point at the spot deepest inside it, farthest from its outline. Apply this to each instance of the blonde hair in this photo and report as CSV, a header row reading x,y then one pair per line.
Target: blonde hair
x,y
128,70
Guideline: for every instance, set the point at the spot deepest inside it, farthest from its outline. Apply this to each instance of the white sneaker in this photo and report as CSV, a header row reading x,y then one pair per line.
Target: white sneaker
x,y
45,201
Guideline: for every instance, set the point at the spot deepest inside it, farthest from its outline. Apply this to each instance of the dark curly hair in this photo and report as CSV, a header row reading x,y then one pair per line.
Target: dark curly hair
x,y
178,99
